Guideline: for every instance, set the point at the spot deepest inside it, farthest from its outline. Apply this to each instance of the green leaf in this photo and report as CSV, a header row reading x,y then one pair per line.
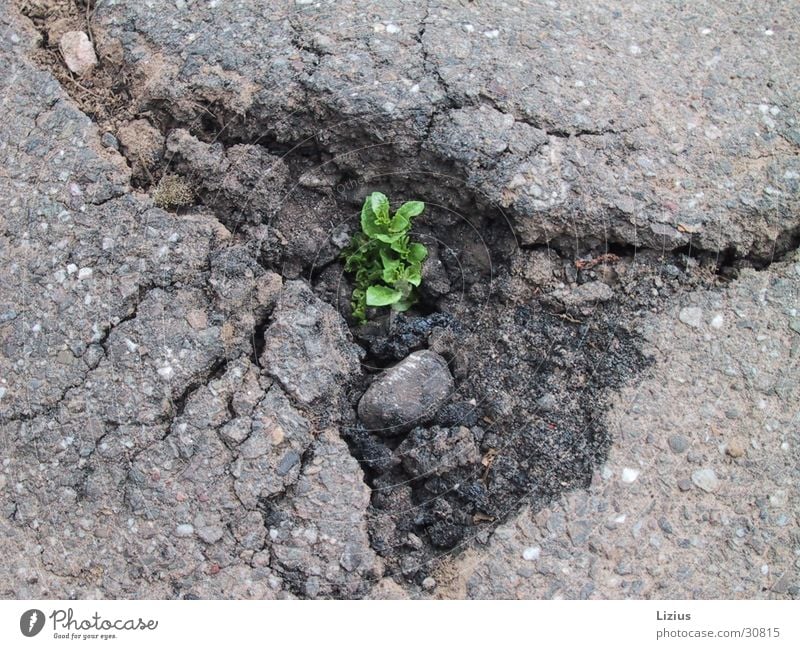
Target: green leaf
x,y
380,207
400,245
358,305
385,265
391,267
413,274
368,223
400,223
410,209
382,295
406,303
389,238
417,252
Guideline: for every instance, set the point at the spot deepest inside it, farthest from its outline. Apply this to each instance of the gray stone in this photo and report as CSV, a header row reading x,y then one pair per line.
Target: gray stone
x,y
678,443
546,403
269,459
109,141
407,394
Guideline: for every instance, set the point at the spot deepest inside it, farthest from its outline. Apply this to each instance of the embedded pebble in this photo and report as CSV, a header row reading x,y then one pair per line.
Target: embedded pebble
x,y
531,554
184,530
166,372
706,480
109,141
779,498
629,475
678,443
691,316
735,448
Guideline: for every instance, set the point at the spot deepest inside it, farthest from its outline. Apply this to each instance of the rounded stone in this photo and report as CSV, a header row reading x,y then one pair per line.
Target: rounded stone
x,y
78,52
407,394
678,443
429,583
735,448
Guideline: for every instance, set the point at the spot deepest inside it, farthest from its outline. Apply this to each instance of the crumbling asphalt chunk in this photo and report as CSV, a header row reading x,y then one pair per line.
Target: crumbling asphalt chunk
x,y
242,182
318,537
308,348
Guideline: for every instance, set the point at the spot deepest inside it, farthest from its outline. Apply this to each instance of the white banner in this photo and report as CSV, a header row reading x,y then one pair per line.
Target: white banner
x,y
387,624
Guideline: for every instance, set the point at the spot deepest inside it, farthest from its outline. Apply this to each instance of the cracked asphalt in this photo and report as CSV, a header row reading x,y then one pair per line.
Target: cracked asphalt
x,y
174,385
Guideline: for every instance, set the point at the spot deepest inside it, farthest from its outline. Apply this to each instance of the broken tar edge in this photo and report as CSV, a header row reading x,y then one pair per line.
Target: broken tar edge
x,y
66,621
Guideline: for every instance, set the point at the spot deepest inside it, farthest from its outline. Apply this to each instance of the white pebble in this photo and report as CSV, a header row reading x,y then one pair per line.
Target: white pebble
x,y
691,316
531,554
84,273
392,29
166,372
492,33
184,530
634,49
72,268
717,321
629,475
706,479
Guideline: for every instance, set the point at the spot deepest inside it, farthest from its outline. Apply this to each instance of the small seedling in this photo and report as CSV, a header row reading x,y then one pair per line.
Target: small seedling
x,y
386,264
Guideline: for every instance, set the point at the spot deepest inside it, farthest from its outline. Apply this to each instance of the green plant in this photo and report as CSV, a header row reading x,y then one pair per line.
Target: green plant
x,y
386,264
